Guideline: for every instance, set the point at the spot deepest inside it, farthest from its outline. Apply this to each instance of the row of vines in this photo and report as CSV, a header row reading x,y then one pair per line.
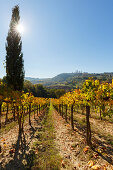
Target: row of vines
x,y
19,104
93,94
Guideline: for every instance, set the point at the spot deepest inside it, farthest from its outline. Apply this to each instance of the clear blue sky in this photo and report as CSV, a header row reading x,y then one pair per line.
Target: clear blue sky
x,y
61,35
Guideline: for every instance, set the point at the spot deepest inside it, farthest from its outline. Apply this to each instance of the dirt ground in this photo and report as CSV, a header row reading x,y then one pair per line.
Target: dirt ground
x,y
101,125
16,149
71,145
73,149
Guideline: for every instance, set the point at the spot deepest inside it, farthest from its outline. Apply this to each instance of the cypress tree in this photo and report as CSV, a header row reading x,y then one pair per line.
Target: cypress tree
x,y
14,55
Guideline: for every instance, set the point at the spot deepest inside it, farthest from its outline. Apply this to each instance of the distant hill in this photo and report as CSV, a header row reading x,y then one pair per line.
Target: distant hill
x,y
70,80
62,77
59,78
37,80
31,79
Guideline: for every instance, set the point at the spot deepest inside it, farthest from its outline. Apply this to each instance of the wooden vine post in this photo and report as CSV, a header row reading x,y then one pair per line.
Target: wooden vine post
x,y
66,112
72,123
13,112
37,110
6,119
34,112
100,114
29,113
19,116
88,132
17,109
62,109
22,117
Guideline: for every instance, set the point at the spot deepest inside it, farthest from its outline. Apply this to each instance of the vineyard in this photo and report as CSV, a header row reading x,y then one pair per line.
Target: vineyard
x,y
82,121
64,122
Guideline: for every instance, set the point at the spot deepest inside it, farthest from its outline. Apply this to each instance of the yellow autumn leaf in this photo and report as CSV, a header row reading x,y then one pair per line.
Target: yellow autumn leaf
x,y
90,163
96,167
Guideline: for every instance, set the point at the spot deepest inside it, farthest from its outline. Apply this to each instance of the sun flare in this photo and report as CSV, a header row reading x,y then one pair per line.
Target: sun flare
x,y
20,28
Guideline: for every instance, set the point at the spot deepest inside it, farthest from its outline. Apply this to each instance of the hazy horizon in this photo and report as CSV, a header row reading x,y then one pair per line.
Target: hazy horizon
x,y
64,73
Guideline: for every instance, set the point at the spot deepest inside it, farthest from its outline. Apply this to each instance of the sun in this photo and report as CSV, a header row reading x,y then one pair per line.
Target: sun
x,y
20,28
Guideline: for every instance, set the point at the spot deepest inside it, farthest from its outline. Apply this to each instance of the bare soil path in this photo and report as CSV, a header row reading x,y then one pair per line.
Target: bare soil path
x,y
16,149
75,154
98,125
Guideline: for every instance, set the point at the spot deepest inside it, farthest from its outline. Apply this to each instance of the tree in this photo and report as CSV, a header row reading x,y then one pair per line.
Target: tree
x,y
59,92
14,55
28,86
40,90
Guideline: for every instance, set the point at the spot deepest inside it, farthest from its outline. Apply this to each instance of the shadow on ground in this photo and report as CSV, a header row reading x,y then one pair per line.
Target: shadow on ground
x,y
106,143
23,156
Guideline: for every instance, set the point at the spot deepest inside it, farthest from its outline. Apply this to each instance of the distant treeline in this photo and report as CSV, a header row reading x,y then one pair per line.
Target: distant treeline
x,y
38,90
